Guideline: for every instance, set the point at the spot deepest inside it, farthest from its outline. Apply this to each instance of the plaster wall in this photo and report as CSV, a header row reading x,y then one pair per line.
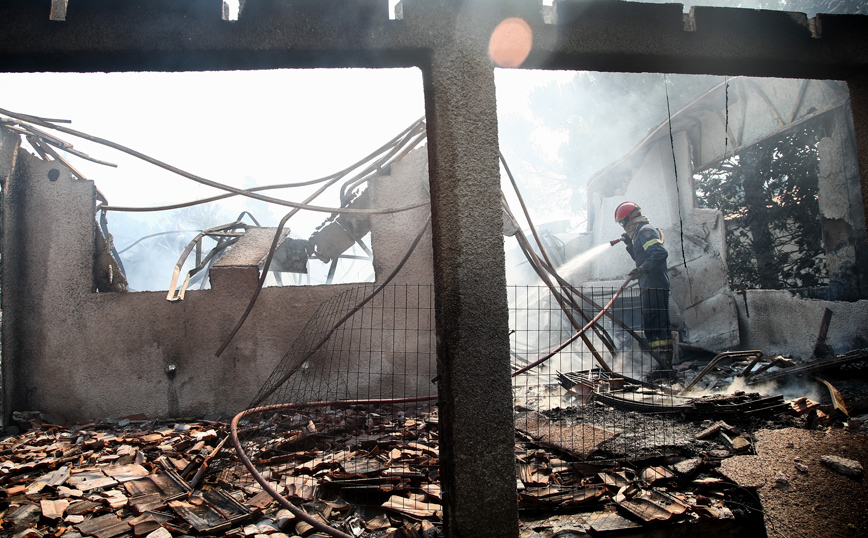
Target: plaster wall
x,y
777,321
395,357
390,347
391,234
95,355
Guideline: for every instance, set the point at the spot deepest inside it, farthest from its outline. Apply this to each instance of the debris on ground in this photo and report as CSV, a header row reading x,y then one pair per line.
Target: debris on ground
x,y
595,468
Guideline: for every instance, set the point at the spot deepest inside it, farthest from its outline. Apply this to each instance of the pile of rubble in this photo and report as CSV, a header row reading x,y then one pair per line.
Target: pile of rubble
x,y
373,472
357,470
144,478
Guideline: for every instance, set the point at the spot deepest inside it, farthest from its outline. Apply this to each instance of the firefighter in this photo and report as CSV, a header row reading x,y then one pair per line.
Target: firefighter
x,y
645,246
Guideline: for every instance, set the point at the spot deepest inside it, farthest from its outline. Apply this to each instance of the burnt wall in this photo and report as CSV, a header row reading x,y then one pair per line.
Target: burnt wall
x,y
79,354
447,40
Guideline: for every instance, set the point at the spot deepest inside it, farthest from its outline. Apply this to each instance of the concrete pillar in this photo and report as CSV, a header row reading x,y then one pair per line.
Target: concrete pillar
x,y
477,460
8,152
47,245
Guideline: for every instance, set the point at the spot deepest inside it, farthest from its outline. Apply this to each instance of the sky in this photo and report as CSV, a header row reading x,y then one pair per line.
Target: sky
x,y
231,127
242,128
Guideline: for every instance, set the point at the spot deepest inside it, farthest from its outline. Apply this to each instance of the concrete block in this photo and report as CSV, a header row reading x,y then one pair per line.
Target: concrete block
x,y
844,30
26,10
659,17
251,249
781,322
351,14
707,277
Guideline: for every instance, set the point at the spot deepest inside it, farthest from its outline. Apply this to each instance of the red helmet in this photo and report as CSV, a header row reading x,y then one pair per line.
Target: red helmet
x,y
626,211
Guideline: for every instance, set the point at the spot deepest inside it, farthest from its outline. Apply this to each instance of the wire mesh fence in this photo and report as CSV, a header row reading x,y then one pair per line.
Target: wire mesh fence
x,y
347,419
346,426
603,396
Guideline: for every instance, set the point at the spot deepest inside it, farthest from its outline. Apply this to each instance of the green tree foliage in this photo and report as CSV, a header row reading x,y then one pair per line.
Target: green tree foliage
x,y
768,195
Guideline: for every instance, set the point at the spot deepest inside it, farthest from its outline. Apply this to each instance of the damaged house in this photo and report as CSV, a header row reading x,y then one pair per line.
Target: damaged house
x,y
333,388
746,273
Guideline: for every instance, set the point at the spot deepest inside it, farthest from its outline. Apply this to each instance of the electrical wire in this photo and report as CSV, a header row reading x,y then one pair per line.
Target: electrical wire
x,y
199,179
170,232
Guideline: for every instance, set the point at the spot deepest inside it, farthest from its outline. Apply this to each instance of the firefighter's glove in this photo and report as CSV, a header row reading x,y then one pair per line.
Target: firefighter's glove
x,y
626,239
637,272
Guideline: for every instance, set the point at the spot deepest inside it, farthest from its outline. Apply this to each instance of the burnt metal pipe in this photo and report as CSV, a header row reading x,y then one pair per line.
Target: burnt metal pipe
x,y
755,354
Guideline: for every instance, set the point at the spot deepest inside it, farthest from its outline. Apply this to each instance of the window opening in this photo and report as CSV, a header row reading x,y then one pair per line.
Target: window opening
x,y
302,125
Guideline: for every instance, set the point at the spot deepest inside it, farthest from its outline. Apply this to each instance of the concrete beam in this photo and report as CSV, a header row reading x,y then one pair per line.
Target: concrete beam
x,y
168,35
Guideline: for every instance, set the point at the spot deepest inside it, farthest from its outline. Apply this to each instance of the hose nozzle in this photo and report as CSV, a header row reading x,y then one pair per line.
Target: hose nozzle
x,y
614,242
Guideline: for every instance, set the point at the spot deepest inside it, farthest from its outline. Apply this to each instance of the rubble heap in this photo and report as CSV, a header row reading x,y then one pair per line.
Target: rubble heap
x,y
366,472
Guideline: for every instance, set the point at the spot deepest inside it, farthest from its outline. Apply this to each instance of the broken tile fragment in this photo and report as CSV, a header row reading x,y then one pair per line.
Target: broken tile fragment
x,y
105,526
144,525
53,509
160,533
688,467
652,475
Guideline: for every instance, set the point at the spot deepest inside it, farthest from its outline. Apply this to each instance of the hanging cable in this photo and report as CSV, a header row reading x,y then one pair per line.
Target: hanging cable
x,y
196,178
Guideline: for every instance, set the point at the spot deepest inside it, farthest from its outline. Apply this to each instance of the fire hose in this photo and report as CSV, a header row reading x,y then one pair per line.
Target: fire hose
x,y
319,525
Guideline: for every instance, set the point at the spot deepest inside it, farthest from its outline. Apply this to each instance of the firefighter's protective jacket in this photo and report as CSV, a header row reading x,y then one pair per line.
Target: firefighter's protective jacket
x,y
647,251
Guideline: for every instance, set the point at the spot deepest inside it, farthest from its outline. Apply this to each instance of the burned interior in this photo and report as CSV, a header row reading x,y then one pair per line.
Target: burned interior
x,y
471,358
